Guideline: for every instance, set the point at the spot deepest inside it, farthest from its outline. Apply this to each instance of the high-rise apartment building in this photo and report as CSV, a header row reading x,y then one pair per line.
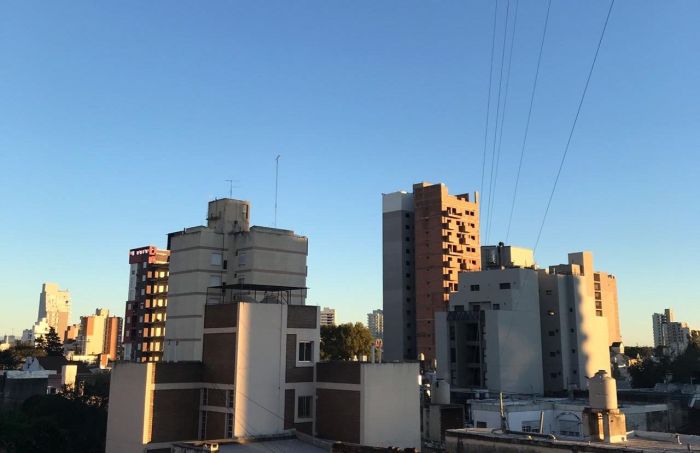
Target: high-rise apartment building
x,y
670,335
375,323
54,305
515,328
328,316
429,237
100,334
144,328
227,251
579,322
658,321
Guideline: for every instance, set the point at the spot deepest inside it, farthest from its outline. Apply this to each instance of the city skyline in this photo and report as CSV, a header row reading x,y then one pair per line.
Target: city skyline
x,y
109,158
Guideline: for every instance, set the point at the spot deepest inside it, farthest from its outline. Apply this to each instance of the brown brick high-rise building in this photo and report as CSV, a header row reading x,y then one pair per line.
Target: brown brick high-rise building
x,y
429,237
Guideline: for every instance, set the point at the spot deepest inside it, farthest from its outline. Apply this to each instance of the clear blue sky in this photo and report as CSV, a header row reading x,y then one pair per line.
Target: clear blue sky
x,y
119,121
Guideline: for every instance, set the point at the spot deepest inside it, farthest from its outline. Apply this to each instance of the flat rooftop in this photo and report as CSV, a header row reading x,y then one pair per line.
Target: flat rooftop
x,y
637,441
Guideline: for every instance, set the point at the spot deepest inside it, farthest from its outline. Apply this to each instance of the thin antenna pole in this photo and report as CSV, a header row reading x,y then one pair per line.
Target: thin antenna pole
x,y
277,172
230,187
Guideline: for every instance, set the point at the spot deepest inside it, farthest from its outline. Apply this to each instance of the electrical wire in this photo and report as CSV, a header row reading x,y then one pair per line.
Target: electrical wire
x,y
529,116
498,111
573,126
492,198
488,104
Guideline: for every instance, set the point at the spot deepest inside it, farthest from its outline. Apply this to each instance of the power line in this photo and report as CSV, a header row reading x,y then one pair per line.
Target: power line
x,y
488,104
573,126
529,116
498,110
492,197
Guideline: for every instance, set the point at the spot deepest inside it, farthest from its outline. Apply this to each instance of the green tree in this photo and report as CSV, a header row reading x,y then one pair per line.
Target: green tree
x,y
53,423
53,347
345,341
9,360
91,392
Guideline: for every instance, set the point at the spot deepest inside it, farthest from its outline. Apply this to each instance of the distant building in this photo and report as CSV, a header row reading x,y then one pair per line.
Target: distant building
x,y
100,334
144,318
54,305
672,336
225,251
38,330
328,316
515,328
72,332
429,237
375,323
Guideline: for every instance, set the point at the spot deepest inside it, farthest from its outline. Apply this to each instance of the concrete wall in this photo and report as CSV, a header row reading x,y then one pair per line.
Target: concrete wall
x,y
390,405
130,405
191,273
513,352
260,369
398,276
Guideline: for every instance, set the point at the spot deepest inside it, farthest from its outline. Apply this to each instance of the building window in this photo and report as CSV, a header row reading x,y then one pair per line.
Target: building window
x,y
504,286
552,354
229,425
481,424
214,280
548,292
459,308
551,333
474,288
496,306
216,259
305,351
205,397
229,398
304,406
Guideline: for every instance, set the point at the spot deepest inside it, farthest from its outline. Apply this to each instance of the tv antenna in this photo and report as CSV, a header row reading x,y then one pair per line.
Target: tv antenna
x,y
277,172
230,186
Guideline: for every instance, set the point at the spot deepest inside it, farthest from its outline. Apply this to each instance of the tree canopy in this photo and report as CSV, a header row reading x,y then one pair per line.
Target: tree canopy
x,y
53,346
683,369
345,341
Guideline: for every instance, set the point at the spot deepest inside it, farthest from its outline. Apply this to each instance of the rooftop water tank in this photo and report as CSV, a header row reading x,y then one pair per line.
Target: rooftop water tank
x,y
602,391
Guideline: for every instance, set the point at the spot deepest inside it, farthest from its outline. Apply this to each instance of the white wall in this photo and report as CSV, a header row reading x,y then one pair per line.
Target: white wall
x,y
390,405
129,407
260,369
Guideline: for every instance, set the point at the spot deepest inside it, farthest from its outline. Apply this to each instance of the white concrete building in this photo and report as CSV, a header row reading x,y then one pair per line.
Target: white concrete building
x,y
490,338
260,375
575,334
328,316
54,305
226,251
375,323
38,330
515,328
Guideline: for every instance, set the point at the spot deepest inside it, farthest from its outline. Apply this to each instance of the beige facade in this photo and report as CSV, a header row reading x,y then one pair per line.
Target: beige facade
x,y
515,328
54,305
100,334
226,251
328,316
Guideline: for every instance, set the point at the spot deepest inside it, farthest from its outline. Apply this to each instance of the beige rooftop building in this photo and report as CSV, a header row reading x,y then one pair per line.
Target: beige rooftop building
x,y
224,252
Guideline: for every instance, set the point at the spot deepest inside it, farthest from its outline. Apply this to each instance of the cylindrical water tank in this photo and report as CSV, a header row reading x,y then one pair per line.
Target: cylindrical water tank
x,y
602,391
441,392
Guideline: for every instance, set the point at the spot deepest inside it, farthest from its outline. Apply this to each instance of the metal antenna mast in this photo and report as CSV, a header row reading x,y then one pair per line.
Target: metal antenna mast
x,y
277,172
230,187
